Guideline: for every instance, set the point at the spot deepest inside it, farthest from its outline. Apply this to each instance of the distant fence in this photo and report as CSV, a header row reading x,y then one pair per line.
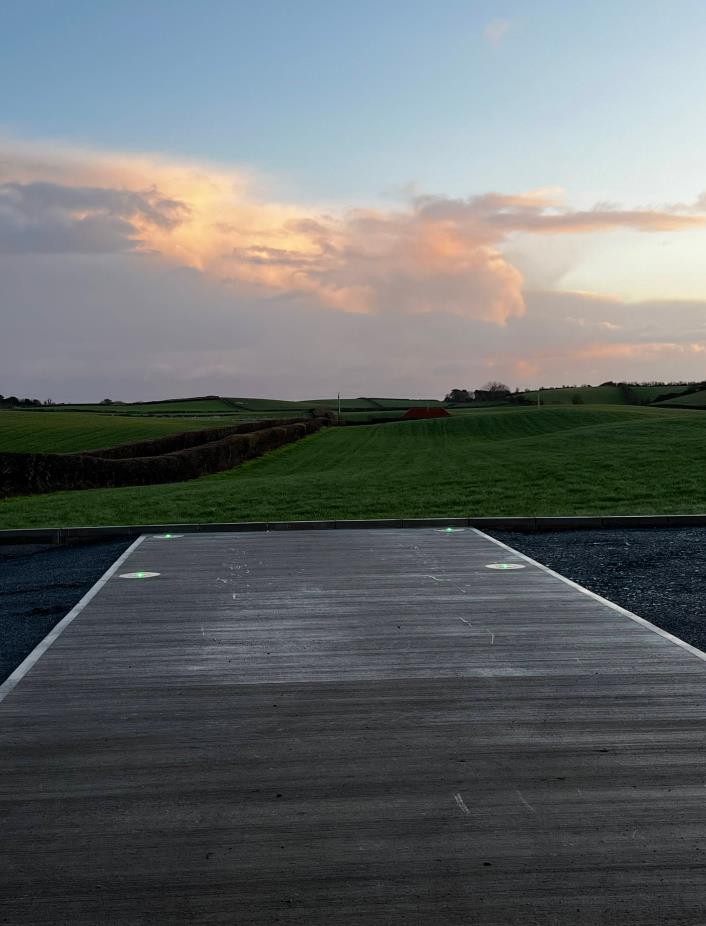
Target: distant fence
x,y
169,459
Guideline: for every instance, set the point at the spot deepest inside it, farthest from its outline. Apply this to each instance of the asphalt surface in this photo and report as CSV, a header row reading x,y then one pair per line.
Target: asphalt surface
x,y
39,584
658,574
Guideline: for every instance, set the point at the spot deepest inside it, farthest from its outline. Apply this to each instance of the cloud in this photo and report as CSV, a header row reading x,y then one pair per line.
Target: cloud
x,y
495,30
436,254
145,276
42,217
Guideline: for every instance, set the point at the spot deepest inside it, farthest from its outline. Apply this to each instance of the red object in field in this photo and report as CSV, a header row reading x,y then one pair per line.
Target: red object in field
x,y
427,411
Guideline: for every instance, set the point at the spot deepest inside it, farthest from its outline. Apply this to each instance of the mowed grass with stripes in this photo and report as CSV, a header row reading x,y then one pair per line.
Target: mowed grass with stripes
x,y
525,461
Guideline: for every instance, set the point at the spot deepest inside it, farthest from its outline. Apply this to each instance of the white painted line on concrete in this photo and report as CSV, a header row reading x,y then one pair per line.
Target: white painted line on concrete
x,y
23,668
611,604
526,803
460,803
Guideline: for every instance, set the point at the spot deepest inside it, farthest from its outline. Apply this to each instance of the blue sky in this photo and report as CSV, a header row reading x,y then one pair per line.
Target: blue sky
x,y
516,187
343,101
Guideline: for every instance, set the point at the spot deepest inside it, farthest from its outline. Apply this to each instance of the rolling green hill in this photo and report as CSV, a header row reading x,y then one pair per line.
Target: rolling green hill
x,y
650,393
694,399
590,395
243,406
603,395
33,432
178,406
522,461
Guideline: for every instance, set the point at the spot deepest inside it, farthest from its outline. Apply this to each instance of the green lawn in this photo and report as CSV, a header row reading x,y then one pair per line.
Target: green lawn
x,y
65,432
550,461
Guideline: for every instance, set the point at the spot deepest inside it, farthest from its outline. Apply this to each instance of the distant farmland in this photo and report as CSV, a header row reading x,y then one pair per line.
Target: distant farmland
x,y
66,432
219,405
513,461
602,395
692,400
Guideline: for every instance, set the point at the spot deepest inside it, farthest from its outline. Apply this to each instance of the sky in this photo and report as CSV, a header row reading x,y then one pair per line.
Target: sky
x,y
389,198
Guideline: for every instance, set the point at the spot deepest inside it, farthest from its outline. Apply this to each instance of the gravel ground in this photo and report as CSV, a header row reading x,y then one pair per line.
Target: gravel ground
x,y
39,584
658,574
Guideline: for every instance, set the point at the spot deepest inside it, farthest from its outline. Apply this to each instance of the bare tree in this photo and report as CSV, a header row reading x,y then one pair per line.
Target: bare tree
x,y
495,386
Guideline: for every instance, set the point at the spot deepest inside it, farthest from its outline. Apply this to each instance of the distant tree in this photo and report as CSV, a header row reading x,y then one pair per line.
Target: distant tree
x,y
322,412
494,386
458,395
492,392
49,402
106,402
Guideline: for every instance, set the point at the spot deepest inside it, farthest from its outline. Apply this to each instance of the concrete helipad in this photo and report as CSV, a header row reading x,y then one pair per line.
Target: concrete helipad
x,y
352,727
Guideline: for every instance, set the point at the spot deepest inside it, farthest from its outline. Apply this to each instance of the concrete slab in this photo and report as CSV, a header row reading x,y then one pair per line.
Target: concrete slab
x,y
353,727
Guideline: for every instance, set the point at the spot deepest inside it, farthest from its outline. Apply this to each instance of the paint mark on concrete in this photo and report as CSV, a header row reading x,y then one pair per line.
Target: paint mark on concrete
x,y
460,803
526,803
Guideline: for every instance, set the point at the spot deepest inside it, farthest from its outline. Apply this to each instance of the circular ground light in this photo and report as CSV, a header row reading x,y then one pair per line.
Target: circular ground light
x,y
168,536
449,530
504,566
138,575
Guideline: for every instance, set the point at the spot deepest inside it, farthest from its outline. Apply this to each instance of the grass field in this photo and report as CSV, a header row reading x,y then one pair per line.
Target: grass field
x,y
192,407
590,395
213,405
523,461
650,393
32,432
695,400
601,395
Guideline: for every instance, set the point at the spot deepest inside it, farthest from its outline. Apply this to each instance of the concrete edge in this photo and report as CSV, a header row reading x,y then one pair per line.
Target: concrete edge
x,y
16,676
695,651
580,522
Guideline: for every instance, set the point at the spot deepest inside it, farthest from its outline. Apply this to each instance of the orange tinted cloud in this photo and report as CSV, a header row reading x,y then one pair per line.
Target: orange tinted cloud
x,y
631,350
437,255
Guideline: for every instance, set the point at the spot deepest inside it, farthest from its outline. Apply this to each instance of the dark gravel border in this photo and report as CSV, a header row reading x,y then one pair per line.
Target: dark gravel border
x,y
39,584
658,574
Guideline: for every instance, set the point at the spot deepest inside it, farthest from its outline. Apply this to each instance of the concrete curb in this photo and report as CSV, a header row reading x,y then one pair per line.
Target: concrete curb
x,y
66,534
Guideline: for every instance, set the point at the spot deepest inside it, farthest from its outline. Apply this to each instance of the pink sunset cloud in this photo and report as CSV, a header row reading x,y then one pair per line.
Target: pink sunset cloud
x,y
215,275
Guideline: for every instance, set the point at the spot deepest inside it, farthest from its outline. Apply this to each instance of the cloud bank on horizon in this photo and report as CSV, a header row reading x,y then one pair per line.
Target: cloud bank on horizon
x,y
159,276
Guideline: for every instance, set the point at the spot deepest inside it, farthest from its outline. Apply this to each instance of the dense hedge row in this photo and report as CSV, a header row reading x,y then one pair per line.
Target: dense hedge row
x,y
184,440
29,473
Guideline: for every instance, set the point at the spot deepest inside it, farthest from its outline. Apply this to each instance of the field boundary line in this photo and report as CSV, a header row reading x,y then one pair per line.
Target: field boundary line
x,y
31,660
700,654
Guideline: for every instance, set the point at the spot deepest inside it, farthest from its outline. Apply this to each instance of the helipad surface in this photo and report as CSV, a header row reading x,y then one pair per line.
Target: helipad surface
x,y
352,727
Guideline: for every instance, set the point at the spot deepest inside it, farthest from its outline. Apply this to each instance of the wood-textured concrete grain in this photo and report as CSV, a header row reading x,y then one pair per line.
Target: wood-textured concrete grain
x,y
352,727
